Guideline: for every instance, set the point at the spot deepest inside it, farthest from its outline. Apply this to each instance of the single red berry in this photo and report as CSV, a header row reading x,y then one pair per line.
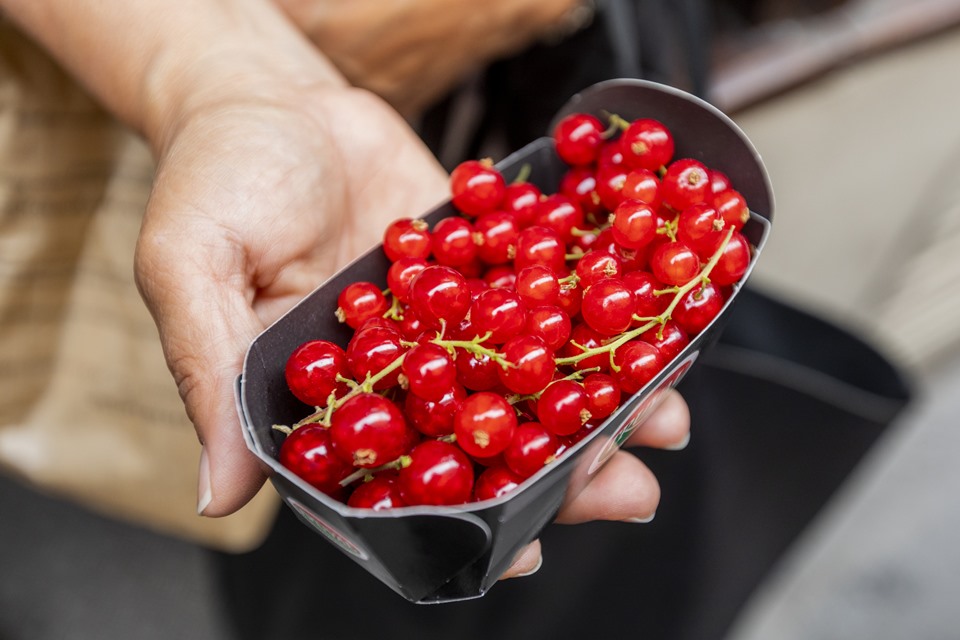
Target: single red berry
x,y
531,364
551,323
429,371
637,363
669,338
701,227
371,351
570,298
499,277
401,273
732,207
438,473
495,237
646,144
484,424
603,395
674,263
719,181
476,187
307,452
520,199
495,482
477,372
407,237
608,306
439,293
359,301
685,183
579,184
733,261
634,224
532,448
434,418
497,314
610,153
644,286
610,179
643,185
380,493
453,242
368,431
578,138
597,265
540,245
562,407
312,372
697,308
537,285
560,213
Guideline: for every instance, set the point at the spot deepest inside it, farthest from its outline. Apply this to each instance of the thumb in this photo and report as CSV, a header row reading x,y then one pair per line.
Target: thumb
x,y
195,287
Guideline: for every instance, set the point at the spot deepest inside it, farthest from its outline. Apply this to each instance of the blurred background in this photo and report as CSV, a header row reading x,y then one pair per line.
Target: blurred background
x,y
854,106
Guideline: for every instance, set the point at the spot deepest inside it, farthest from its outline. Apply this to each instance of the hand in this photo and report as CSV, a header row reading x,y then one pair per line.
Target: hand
x,y
413,52
256,201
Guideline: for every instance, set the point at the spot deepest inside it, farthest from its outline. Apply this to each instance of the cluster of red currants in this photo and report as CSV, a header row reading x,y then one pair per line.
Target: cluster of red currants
x,y
511,331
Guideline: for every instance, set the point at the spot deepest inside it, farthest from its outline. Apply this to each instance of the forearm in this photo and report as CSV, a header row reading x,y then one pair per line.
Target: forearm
x,y
153,61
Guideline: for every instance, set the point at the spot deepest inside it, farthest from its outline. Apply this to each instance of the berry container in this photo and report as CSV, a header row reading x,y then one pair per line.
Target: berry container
x,y
430,554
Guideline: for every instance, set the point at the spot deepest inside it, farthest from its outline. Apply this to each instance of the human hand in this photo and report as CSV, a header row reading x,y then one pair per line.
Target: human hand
x,y
412,52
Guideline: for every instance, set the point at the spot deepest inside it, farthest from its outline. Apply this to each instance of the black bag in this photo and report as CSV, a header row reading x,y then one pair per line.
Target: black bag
x,y
784,407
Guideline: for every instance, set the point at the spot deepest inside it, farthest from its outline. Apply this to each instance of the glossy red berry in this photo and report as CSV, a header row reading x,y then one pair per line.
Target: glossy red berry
x,y
401,273
634,224
476,187
560,213
646,144
562,407
438,473
372,351
733,261
495,237
380,493
610,179
732,207
579,184
644,286
434,418
532,448
368,431
312,370
637,363
407,237
531,364
697,308
307,452
670,339
643,185
537,285
597,265
429,371
608,306
578,138
439,293
674,263
543,246
551,323
497,314
702,228
603,395
685,183
495,482
360,301
583,338
520,199
453,243
484,424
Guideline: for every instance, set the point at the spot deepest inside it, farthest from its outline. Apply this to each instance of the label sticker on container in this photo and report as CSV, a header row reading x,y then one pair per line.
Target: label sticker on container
x,y
327,530
640,413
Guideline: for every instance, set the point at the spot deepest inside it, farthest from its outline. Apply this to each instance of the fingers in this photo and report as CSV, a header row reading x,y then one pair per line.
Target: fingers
x,y
624,489
527,562
205,324
668,427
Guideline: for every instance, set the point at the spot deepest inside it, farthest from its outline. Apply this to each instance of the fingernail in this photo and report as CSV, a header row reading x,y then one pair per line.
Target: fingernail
x,y
649,518
679,445
534,570
203,485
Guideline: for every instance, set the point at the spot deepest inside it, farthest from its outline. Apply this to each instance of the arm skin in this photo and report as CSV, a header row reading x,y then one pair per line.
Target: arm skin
x,y
272,172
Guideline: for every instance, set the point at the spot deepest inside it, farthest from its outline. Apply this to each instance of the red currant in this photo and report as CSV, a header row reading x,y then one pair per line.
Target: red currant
x,y
438,294
495,482
307,452
637,363
434,418
407,238
533,447
674,263
495,236
380,493
484,424
439,473
312,370
646,144
578,138
634,224
697,308
562,407
497,314
453,242
608,306
685,183
476,186
368,431
359,301
429,370
531,364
